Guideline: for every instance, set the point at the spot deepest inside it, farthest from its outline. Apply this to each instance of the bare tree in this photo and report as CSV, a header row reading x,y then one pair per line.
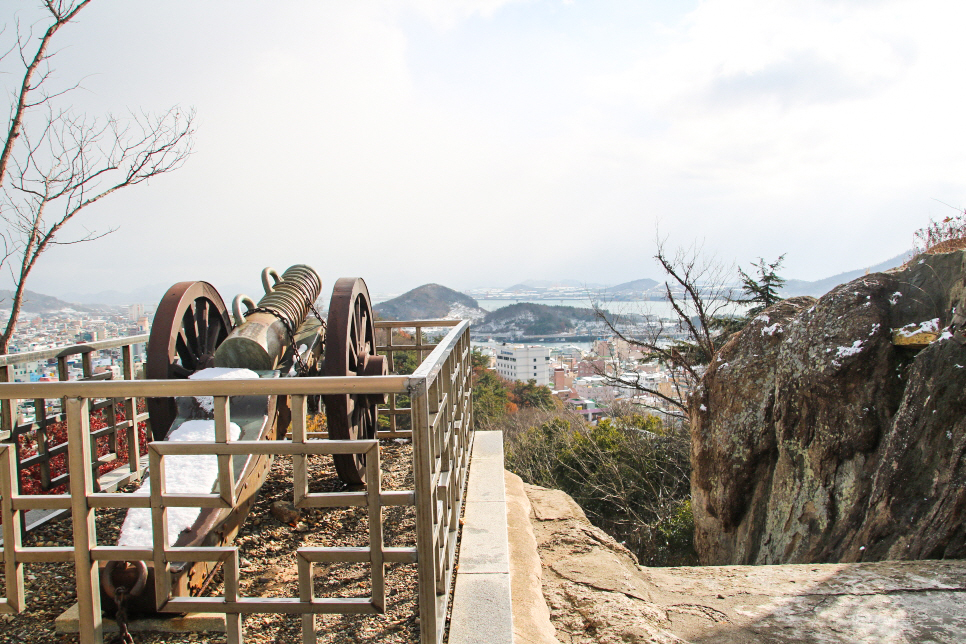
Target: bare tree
x,y
55,163
698,289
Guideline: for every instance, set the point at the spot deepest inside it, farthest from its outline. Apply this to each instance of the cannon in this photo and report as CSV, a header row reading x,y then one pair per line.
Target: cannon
x,y
276,338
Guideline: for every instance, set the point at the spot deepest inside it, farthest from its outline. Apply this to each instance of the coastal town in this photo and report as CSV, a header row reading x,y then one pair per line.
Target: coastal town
x,y
590,381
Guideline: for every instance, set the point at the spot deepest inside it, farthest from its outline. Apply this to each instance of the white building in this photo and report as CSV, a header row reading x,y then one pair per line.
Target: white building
x,y
524,362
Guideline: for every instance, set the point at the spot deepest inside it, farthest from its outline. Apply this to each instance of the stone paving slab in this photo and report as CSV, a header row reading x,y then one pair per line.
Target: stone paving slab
x,y
481,610
486,482
484,545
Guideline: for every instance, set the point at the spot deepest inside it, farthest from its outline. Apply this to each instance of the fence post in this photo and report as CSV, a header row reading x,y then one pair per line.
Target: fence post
x,y
430,624
85,531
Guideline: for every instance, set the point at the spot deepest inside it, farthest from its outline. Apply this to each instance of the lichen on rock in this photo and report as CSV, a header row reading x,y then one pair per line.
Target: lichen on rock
x,y
824,442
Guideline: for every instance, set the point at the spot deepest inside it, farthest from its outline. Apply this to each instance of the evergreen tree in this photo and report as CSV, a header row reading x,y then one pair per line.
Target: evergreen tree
x,y
762,292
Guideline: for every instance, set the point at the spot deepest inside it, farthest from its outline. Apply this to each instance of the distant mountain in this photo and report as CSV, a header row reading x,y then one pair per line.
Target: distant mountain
x,y
429,302
820,287
148,294
38,303
637,287
531,285
527,319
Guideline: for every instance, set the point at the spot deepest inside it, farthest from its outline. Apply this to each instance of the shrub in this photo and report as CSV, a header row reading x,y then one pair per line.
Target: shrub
x,y
632,482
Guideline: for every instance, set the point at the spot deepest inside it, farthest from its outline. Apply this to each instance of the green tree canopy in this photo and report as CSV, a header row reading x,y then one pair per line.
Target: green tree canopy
x,y
762,292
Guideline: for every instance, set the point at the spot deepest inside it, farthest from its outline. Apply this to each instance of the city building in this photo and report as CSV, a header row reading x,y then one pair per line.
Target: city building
x,y
524,362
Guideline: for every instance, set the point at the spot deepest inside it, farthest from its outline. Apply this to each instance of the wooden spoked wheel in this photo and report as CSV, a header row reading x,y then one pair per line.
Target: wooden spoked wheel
x,y
190,323
350,350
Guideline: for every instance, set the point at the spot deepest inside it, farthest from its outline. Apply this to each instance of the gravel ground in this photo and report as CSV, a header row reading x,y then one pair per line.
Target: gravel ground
x,y
267,548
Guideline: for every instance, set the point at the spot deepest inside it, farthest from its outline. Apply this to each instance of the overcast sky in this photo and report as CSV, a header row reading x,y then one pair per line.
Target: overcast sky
x,y
484,142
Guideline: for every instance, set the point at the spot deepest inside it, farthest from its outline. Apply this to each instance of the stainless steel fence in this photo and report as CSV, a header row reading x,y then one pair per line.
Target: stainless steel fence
x,y
439,411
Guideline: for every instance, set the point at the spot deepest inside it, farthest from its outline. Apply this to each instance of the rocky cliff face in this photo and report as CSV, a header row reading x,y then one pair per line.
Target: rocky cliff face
x,y
815,439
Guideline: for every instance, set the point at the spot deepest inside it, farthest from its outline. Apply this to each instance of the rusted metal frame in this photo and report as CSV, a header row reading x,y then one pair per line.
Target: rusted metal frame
x,y
14,597
82,515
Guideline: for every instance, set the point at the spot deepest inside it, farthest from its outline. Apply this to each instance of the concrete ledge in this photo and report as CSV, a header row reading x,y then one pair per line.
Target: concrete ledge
x,y
69,622
531,615
482,608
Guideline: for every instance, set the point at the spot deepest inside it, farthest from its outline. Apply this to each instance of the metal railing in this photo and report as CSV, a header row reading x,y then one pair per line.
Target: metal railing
x,y
38,430
439,392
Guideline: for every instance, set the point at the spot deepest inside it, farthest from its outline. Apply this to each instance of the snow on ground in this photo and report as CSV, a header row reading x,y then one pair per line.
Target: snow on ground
x,y
219,373
183,474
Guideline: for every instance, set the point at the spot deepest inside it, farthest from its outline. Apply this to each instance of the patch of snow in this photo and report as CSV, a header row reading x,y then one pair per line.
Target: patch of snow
x,y
949,434
845,352
946,335
909,330
219,373
762,318
875,329
183,474
771,330
895,298
703,408
459,311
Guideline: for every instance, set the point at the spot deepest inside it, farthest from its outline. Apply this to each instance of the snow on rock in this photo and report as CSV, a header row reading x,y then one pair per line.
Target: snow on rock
x,y
183,474
845,352
911,329
207,403
772,330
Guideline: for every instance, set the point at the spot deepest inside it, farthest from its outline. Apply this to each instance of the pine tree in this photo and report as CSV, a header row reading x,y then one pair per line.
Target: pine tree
x,y
762,292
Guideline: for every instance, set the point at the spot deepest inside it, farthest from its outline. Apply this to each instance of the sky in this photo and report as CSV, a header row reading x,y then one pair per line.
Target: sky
x,y
484,142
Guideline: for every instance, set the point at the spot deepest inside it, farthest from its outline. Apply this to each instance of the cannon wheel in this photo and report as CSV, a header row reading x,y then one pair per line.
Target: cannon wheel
x,y
190,323
350,350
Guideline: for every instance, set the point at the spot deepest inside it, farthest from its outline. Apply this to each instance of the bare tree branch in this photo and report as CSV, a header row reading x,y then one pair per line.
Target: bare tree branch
x,y
697,289
64,162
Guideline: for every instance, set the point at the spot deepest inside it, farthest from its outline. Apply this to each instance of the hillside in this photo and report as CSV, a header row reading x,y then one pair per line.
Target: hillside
x,y
430,302
39,303
526,319
820,287
634,289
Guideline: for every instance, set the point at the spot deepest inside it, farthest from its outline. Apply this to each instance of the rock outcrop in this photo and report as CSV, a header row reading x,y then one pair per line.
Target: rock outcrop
x,y
815,439
597,594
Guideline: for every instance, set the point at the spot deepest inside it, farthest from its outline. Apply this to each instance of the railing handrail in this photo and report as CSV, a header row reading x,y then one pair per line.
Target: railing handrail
x,y
430,367
74,349
171,388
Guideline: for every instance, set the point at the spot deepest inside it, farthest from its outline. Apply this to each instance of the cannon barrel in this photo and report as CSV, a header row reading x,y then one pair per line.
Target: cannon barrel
x,y
262,339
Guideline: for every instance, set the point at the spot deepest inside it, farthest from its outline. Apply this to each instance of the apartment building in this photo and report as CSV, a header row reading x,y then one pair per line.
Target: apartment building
x,y
524,362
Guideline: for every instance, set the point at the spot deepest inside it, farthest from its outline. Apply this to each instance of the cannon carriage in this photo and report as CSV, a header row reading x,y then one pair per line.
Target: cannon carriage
x,y
282,336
